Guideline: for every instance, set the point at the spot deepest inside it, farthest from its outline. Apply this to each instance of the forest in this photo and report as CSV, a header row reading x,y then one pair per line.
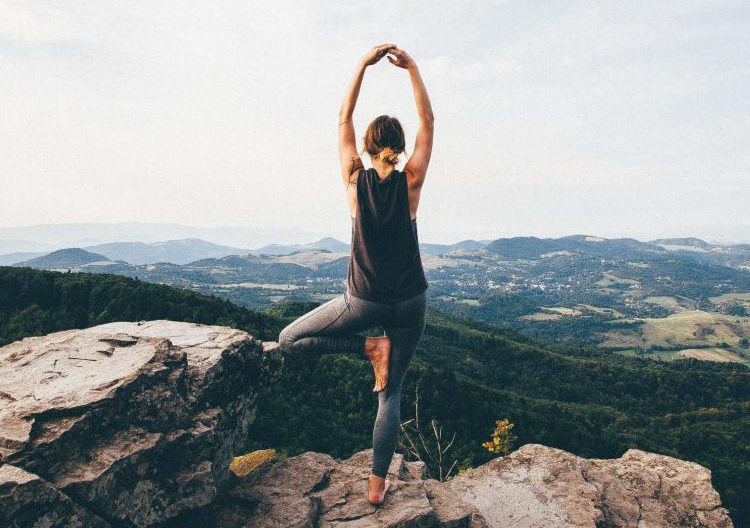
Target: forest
x,y
466,375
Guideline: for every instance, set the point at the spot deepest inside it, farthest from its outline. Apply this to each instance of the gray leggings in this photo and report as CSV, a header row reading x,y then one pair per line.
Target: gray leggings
x,y
331,327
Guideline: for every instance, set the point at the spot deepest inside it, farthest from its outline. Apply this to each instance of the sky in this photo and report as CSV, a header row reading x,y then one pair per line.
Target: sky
x,y
614,119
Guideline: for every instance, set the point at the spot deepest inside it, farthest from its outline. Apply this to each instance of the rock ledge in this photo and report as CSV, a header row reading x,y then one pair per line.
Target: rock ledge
x,y
534,487
124,424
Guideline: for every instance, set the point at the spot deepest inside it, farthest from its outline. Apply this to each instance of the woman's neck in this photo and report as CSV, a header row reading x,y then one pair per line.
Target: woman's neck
x,y
383,169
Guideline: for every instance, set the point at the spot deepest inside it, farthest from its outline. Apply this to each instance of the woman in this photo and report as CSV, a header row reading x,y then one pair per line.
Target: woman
x,y
386,285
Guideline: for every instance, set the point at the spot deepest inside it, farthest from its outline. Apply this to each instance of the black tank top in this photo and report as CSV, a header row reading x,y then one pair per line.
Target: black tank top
x,y
385,264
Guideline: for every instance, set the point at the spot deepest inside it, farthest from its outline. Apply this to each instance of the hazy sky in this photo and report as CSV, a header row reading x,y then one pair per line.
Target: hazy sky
x,y
552,118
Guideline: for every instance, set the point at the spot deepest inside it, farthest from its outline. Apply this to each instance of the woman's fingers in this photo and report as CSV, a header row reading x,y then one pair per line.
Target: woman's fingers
x,y
377,52
398,58
384,47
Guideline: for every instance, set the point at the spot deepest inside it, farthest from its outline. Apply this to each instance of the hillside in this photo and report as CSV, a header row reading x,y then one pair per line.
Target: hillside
x,y
608,292
35,302
174,251
467,375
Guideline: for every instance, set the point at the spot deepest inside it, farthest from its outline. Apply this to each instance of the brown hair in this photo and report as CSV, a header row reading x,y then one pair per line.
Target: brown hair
x,y
385,138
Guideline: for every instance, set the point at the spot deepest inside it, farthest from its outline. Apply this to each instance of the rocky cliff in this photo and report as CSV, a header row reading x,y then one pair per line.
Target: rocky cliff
x,y
124,424
136,424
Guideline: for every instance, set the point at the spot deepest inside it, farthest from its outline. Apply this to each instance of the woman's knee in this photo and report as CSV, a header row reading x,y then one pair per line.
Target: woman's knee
x,y
286,338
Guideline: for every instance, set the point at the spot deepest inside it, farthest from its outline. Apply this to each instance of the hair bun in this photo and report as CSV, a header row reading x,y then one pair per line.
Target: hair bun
x,y
389,155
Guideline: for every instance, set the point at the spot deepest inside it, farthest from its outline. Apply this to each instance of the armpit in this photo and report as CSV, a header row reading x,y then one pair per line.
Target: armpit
x,y
354,169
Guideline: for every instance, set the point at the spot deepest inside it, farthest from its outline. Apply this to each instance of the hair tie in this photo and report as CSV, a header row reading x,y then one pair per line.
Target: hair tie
x,y
389,155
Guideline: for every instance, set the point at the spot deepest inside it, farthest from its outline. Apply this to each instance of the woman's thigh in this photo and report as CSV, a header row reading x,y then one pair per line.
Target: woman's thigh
x,y
341,315
410,312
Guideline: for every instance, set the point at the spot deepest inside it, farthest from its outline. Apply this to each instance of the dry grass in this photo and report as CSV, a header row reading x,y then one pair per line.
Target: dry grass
x,y
244,465
670,303
710,354
732,298
717,336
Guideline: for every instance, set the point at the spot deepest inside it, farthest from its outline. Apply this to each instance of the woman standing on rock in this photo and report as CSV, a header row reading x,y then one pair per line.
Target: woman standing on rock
x,y
385,285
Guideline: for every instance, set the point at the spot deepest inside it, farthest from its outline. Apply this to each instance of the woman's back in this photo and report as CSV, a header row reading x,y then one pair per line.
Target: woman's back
x,y
385,264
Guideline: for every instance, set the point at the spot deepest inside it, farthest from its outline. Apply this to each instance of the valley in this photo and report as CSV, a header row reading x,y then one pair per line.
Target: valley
x,y
667,299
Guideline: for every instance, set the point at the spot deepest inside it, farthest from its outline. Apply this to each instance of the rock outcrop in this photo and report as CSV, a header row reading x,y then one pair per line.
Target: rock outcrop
x,y
136,424
127,423
533,487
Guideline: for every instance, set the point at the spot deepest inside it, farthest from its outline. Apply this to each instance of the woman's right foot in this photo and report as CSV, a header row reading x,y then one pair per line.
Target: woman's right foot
x,y
378,351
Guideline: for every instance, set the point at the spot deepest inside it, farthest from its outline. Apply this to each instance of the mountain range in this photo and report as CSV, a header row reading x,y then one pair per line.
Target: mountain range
x,y
50,237
186,251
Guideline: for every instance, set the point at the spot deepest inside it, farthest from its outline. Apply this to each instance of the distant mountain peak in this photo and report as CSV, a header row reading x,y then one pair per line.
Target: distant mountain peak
x,y
686,241
584,238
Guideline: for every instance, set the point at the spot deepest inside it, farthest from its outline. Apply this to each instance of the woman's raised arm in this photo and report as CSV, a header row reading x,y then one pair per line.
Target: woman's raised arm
x,y
416,167
348,156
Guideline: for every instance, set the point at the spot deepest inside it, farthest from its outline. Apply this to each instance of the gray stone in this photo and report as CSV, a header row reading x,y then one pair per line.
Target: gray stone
x,y
540,486
143,432
533,487
27,500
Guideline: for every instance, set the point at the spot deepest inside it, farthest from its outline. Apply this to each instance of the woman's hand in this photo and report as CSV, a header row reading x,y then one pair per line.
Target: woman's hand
x,y
402,59
376,53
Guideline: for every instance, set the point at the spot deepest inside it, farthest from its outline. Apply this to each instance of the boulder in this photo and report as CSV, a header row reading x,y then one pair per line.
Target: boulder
x,y
27,500
136,422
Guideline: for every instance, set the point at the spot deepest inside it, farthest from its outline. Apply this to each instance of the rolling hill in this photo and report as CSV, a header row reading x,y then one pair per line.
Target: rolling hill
x,y
172,251
579,287
67,258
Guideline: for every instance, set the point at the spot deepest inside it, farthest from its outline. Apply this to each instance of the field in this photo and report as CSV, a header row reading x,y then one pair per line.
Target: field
x,y
552,313
711,354
743,299
704,354
671,303
267,286
610,279
689,333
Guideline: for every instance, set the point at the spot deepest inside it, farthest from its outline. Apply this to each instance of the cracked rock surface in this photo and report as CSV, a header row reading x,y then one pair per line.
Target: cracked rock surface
x,y
540,486
125,423
533,487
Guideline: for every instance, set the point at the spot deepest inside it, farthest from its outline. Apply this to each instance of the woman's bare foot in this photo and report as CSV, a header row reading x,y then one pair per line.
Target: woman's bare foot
x,y
378,351
376,489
